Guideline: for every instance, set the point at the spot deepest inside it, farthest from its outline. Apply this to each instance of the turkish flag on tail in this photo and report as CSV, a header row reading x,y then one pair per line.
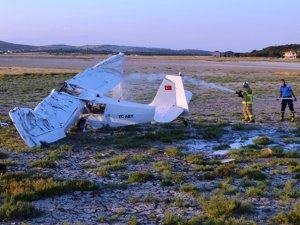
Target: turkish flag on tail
x,y
168,87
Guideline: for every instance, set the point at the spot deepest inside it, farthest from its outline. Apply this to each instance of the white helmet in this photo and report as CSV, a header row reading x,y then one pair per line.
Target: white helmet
x,y
246,84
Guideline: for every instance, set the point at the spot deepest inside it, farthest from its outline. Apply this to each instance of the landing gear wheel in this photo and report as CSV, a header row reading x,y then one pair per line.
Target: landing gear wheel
x,y
81,124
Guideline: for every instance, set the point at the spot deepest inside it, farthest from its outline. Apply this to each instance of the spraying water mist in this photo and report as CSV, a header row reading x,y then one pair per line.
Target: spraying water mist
x,y
154,79
207,84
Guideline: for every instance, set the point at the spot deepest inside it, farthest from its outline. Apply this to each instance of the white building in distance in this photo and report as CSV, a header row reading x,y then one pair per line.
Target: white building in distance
x,y
290,54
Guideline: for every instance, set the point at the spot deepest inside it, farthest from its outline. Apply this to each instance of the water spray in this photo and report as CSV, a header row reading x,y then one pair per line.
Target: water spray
x,y
222,88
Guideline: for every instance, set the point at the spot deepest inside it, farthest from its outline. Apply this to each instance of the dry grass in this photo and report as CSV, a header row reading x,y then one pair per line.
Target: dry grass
x,y
28,70
286,73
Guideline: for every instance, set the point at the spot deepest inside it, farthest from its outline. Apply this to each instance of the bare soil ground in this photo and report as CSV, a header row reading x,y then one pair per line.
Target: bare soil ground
x,y
158,174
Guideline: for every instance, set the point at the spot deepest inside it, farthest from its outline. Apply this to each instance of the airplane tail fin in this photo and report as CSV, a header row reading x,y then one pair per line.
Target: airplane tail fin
x,y
171,99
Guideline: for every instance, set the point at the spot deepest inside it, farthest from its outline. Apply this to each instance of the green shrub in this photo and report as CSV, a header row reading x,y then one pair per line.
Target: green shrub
x,y
18,210
190,189
257,191
13,176
294,168
290,189
43,163
140,177
181,203
140,158
207,176
210,131
133,221
197,220
66,148
153,151
226,187
263,140
290,217
204,168
225,170
220,206
171,219
174,152
34,189
195,159
54,155
105,170
254,174
116,160
162,166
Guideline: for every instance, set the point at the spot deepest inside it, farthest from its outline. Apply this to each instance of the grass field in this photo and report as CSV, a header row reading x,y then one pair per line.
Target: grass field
x,y
156,173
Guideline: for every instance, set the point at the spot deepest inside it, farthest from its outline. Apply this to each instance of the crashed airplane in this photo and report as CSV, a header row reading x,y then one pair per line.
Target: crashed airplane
x,y
82,100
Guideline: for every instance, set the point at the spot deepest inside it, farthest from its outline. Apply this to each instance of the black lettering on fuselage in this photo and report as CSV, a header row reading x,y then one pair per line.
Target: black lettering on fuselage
x,y
125,116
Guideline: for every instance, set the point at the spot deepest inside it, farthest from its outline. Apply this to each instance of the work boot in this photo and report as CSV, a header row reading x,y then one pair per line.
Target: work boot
x,y
281,117
251,120
293,117
246,119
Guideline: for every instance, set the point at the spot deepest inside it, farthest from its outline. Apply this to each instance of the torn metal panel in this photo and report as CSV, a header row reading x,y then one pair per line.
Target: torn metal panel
x,y
49,121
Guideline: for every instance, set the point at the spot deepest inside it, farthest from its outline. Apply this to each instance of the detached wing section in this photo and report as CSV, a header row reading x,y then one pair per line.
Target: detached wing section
x,y
49,121
99,79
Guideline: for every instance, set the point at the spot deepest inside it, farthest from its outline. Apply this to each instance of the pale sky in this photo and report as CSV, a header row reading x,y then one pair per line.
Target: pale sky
x,y
238,25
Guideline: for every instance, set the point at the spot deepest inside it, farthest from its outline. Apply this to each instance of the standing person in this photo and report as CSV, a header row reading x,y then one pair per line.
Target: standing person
x,y
286,91
247,101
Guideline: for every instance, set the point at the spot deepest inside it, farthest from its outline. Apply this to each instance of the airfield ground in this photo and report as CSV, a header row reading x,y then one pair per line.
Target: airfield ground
x,y
155,173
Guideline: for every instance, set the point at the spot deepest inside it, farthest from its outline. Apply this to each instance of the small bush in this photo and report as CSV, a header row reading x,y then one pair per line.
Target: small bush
x,y
225,170
254,174
220,206
34,189
54,155
174,152
66,148
162,166
290,189
171,219
195,159
291,217
140,158
18,210
105,170
43,163
153,151
133,221
190,189
263,140
208,176
116,160
257,191
140,177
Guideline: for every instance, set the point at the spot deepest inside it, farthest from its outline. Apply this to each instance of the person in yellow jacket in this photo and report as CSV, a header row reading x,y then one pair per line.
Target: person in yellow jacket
x,y
247,101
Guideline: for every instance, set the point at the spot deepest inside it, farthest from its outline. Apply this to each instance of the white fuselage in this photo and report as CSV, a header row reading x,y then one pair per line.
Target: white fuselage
x,y
119,113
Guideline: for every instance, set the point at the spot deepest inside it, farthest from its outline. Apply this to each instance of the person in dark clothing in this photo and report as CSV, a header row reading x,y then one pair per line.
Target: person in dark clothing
x,y
287,95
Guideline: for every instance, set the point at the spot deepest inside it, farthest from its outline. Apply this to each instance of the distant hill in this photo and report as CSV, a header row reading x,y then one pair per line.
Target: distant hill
x,y
90,49
274,51
5,46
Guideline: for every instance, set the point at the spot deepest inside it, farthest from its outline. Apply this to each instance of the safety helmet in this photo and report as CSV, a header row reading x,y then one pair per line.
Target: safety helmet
x,y
246,84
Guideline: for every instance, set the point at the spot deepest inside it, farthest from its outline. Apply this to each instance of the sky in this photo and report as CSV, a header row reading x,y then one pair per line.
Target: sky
x,y
237,25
